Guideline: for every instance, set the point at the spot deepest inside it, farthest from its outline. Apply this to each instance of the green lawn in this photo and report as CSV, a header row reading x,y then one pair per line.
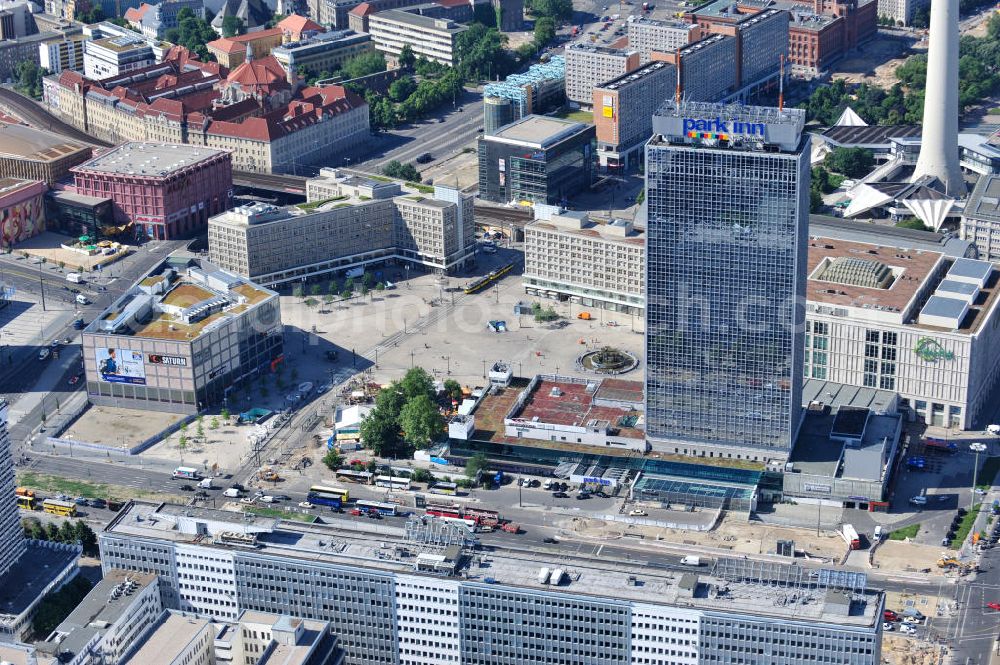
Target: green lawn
x,y
280,514
906,532
579,116
988,472
964,527
994,111
47,484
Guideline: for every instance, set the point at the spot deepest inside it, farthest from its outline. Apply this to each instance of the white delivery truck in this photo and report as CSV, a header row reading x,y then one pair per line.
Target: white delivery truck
x,y
690,560
74,277
232,493
82,299
206,484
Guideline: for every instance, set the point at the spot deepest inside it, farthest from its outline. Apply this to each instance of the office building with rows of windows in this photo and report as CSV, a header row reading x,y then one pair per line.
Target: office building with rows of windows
x,y
421,595
348,221
727,217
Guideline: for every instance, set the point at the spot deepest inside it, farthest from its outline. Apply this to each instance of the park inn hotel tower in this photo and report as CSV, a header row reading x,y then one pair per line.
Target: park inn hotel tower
x,y
727,205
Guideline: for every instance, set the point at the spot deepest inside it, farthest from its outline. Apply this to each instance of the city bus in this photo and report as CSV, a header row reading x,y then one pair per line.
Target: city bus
x,y
187,473
392,482
451,489
482,516
57,507
451,512
334,497
26,502
363,477
388,509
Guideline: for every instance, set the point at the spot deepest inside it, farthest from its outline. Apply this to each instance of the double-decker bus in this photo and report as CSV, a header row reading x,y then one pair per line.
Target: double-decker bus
x,y
392,482
57,507
26,502
334,497
450,489
388,509
353,476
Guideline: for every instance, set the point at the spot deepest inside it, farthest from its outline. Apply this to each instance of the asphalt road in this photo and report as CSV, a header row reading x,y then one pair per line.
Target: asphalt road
x,y
34,114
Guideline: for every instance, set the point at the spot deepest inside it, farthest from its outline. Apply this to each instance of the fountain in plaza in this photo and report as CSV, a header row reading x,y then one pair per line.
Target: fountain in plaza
x,y
608,360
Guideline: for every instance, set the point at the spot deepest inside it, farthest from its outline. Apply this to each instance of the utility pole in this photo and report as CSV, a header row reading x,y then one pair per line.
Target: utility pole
x,y
977,448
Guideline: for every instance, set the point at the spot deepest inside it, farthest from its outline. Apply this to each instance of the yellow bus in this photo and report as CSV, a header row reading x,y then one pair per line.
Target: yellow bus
x,y
57,507
26,502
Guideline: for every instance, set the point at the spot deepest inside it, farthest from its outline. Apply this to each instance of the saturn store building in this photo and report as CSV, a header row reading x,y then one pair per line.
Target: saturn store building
x,y
181,339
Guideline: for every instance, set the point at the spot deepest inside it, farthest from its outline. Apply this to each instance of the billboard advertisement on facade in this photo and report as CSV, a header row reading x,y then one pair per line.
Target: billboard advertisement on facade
x,y
120,366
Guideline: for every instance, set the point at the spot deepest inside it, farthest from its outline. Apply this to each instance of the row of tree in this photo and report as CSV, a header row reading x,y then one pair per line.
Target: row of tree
x,y
68,532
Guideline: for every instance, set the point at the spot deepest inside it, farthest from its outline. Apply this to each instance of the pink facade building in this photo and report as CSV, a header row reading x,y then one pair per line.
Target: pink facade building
x,y
167,190
22,210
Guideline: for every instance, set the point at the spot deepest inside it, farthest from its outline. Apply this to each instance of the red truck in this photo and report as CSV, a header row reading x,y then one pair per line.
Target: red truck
x,y
940,446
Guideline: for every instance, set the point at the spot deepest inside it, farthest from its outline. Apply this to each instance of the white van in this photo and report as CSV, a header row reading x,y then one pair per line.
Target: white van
x,y
232,493
74,277
82,299
877,536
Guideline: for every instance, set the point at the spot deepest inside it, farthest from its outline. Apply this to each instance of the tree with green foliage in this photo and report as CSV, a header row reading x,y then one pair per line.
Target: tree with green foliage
x,y
56,606
29,78
422,476
406,57
912,223
233,26
390,399
380,432
402,88
545,31
86,537
333,460
543,314
363,64
560,10
192,33
316,289
417,382
214,423
481,53
349,284
93,15
852,162
396,169
298,290
421,421
453,389
815,200
475,464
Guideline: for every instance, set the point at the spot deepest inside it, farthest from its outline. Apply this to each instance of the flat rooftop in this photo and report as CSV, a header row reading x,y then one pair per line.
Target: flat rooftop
x,y
123,43
910,270
636,76
816,453
98,610
168,638
984,202
419,21
824,226
568,403
22,142
538,131
361,545
13,185
39,566
178,302
596,229
871,136
148,159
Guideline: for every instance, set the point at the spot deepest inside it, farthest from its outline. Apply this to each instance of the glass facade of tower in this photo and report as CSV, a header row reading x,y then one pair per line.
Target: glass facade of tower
x,y
725,275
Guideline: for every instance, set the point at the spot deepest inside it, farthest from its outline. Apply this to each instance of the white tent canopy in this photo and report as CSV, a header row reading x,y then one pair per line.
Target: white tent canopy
x,y
850,119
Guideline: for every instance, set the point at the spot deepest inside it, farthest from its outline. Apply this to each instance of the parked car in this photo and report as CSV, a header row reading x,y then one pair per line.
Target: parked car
x,y
993,606
560,495
79,324
81,501
425,158
886,626
889,615
99,503
907,629
267,498
306,505
637,513
73,380
187,488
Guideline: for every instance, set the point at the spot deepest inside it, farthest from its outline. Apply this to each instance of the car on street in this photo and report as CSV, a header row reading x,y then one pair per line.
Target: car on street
x,y
99,503
637,513
306,505
907,629
993,606
73,380
78,324
918,500
281,497
43,353
267,498
582,495
81,501
187,488
887,626
549,539
238,487
374,514
560,495
425,158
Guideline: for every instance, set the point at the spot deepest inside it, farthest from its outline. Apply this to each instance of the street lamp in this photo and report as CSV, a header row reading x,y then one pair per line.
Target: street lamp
x,y
977,448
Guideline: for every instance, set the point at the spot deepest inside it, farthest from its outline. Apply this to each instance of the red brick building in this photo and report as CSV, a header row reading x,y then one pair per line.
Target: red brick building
x,y
166,190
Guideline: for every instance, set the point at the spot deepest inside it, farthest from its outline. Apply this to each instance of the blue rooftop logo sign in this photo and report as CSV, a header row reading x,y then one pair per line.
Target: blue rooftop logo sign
x,y
929,350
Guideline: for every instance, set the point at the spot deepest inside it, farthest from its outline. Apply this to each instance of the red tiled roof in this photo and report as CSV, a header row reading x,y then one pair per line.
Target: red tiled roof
x,y
239,43
265,71
296,25
364,9
135,14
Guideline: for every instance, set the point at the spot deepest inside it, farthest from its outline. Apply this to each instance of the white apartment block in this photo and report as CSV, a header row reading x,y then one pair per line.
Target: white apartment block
x,y
433,38
62,52
900,11
111,56
592,264
588,66
648,35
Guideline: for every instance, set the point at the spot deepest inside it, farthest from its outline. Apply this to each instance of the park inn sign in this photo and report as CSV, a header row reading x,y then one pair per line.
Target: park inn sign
x,y
930,350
